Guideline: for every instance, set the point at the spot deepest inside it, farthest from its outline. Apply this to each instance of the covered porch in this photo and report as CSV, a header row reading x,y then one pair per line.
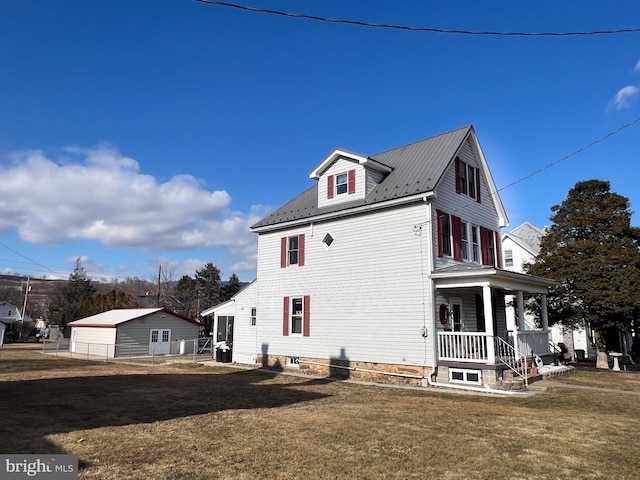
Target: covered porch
x,y
472,334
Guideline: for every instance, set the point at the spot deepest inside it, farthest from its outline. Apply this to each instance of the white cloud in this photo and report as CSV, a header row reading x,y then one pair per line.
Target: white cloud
x,y
104,197
624,98
637,68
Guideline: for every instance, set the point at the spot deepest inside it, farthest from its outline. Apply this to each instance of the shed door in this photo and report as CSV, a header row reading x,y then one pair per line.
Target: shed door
x,y
159,341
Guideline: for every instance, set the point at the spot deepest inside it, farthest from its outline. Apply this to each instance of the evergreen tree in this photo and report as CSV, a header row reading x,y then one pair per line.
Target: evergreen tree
x,y
187,296
73,299
230,288
593,252
208,285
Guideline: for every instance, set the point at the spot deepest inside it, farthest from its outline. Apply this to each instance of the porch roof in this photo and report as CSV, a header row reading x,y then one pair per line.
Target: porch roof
x,y
474,275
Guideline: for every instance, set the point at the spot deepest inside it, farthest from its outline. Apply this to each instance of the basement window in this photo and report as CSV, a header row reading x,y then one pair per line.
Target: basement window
x,y
293,362
461,375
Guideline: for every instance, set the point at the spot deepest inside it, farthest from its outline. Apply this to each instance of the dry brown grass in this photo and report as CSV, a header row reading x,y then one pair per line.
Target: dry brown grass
x,y
195,422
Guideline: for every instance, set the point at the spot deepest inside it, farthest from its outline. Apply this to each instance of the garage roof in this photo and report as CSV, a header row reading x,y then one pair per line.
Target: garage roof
x,y
113,318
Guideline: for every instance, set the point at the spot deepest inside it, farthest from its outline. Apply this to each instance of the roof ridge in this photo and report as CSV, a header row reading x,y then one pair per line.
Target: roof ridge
x,y
470,126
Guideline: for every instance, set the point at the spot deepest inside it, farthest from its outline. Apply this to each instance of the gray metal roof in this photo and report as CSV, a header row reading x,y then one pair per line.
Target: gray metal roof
x,y
417,168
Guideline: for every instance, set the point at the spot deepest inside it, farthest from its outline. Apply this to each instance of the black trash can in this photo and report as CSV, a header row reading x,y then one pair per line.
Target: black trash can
x,y
226,356
218,354
579,355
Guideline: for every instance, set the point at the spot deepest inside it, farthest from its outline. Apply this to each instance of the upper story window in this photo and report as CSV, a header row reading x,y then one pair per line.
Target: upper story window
x,y
467,180
444,235
508,258
342,183
292,250
464,241
252,319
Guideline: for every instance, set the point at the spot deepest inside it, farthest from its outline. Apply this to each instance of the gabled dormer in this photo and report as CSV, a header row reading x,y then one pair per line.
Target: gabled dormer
x,y
345,176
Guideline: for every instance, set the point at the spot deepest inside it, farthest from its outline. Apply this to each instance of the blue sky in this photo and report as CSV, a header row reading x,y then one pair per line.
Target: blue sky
x,y
140,132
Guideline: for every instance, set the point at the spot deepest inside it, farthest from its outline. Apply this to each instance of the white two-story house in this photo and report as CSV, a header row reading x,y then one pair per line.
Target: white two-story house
x,y
388,268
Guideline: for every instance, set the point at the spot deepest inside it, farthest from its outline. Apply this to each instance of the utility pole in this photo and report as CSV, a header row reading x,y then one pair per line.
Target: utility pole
x,y
158,292
24,305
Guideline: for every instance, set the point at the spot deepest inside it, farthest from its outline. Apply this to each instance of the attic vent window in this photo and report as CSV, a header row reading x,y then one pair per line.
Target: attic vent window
x,y
327,240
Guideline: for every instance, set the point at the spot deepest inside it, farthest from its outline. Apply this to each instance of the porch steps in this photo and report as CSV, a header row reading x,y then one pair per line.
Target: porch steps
x,y
511,381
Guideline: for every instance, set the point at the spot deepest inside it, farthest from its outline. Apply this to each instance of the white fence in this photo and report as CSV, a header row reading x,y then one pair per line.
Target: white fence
x,y
178,350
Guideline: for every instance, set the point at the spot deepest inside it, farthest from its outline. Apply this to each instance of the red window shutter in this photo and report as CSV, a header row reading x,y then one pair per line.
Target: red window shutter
x,y
351,181
330,186
307,315
485,237
457,238
498,253
478,185
458,175
301,250
285,317
438,232
283,252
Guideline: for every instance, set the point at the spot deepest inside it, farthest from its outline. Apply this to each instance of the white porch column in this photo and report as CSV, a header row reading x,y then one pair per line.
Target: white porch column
x,y
520,322
488,324
543,313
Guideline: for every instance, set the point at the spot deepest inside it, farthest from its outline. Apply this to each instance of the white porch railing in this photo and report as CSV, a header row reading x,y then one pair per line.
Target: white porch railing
x,y
530,342
464,346
474,347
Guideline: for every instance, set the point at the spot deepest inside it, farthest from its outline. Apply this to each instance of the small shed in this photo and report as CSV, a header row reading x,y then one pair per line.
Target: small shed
x,y
133,331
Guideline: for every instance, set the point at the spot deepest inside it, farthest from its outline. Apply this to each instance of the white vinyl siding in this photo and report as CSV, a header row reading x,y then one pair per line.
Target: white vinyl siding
x,y
244,335
469,210
376,299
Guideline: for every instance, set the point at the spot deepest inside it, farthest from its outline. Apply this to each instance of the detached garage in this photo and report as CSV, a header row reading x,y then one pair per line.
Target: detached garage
x,y
133,331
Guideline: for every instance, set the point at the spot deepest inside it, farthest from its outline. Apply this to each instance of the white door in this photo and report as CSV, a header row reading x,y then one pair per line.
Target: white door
x,y
159,341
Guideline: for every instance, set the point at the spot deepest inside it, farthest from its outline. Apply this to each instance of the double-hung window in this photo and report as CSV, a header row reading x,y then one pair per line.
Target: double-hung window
x,y
508,258
465,241
341,184
292,251
296,317
475,244
444,234
467,180
252,320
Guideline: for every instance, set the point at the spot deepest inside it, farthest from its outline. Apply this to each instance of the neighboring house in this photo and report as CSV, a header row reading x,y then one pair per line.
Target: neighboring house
x,y
133,331
520,246
235,321
388,268
9,315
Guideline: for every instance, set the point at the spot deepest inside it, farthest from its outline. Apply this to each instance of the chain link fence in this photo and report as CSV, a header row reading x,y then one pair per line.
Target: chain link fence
x,y
178,351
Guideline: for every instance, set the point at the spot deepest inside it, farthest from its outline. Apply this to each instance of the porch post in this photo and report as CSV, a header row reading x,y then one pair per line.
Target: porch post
x,y
543,313
488,322
520,313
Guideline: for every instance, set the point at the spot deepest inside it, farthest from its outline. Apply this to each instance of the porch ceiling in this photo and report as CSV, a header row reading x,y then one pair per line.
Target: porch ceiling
x,y
472,275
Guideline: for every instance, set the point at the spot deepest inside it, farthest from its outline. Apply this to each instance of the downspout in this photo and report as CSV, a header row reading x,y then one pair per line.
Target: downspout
x,y
432,292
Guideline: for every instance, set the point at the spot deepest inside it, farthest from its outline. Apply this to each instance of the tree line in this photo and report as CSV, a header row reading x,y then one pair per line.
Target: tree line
x,y
78,297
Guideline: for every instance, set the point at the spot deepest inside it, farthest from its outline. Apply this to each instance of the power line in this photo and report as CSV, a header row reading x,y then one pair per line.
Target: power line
x,y
540,170
418,29
567,157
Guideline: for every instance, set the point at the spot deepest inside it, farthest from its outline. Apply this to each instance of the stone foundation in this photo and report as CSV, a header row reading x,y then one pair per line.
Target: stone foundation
x,y
346,369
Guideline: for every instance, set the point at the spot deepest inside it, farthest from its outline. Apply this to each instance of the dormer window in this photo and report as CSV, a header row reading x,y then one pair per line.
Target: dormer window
x,y
341,184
